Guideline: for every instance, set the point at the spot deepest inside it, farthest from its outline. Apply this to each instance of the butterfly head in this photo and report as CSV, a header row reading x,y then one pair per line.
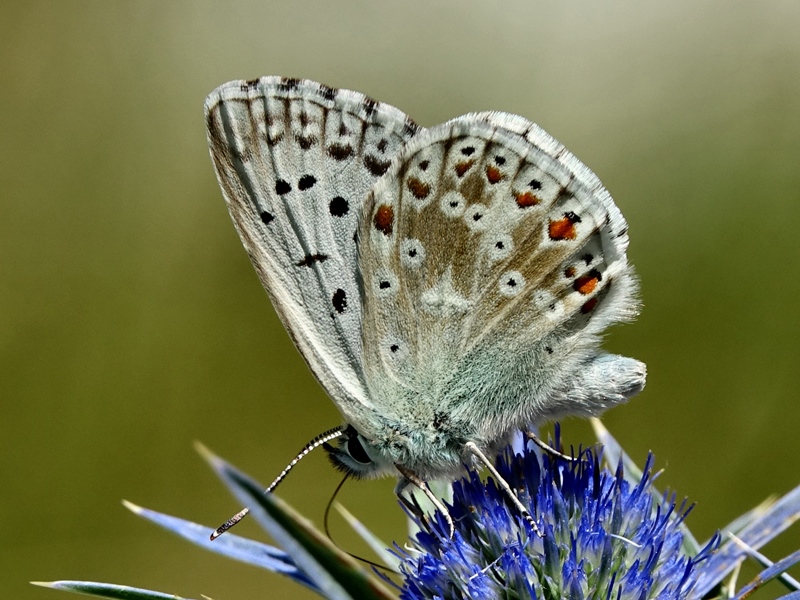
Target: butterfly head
x,y
352,453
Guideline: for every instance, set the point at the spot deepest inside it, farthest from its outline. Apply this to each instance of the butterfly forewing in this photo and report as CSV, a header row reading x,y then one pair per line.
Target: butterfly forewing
x,y
487,254
295,160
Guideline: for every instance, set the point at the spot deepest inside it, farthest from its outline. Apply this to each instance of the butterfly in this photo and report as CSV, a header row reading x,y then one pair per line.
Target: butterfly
x,y
446,286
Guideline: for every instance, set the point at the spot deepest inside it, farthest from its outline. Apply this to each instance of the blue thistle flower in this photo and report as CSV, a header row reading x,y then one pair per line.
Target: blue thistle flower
x,y
603,536
606,535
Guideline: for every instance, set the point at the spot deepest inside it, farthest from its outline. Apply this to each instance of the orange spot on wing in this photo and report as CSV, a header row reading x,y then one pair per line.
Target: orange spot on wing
x,y
564,228
420,189
463,167
569,272
526,199
384,219
586,284
493,174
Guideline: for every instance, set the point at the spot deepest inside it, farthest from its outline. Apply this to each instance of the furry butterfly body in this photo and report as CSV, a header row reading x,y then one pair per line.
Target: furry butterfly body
x,y
446,286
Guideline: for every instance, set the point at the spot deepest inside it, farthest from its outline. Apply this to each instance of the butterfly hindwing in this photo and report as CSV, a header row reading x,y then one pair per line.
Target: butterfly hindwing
x,y
295,160
491,260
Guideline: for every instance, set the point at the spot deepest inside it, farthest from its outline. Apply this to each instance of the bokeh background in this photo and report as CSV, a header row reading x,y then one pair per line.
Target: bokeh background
x,y
132,324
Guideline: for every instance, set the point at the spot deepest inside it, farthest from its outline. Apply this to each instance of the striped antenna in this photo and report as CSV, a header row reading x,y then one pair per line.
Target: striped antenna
x,y
315,443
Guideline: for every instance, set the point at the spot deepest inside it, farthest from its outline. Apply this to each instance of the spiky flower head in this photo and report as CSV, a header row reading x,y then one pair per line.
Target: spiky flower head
x,y
602,536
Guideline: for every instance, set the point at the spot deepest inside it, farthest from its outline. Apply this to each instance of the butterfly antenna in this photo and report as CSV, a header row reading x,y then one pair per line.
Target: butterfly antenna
x,y
315,443
325,522
328,508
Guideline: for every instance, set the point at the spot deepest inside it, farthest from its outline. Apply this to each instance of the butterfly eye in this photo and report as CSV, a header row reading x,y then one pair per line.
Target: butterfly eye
x,y
356,450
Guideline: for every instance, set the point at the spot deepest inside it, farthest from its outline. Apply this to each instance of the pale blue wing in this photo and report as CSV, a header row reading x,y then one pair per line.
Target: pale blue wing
x,y
492,259
295,160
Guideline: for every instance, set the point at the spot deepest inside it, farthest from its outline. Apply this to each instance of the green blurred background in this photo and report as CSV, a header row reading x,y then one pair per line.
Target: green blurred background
x,y
132,324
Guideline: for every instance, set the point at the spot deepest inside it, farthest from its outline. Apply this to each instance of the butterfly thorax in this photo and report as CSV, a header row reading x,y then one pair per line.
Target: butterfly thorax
x,y
424,426
430,445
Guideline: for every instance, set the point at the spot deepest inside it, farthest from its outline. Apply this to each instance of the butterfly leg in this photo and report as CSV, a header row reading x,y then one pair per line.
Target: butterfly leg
x,y
548,448
472,447
409,477
409,502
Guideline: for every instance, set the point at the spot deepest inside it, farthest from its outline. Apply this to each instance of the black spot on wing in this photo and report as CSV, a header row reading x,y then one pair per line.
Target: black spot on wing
x,y
305,141
339,300
340,151
306,182
310,259
376,166
339,207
